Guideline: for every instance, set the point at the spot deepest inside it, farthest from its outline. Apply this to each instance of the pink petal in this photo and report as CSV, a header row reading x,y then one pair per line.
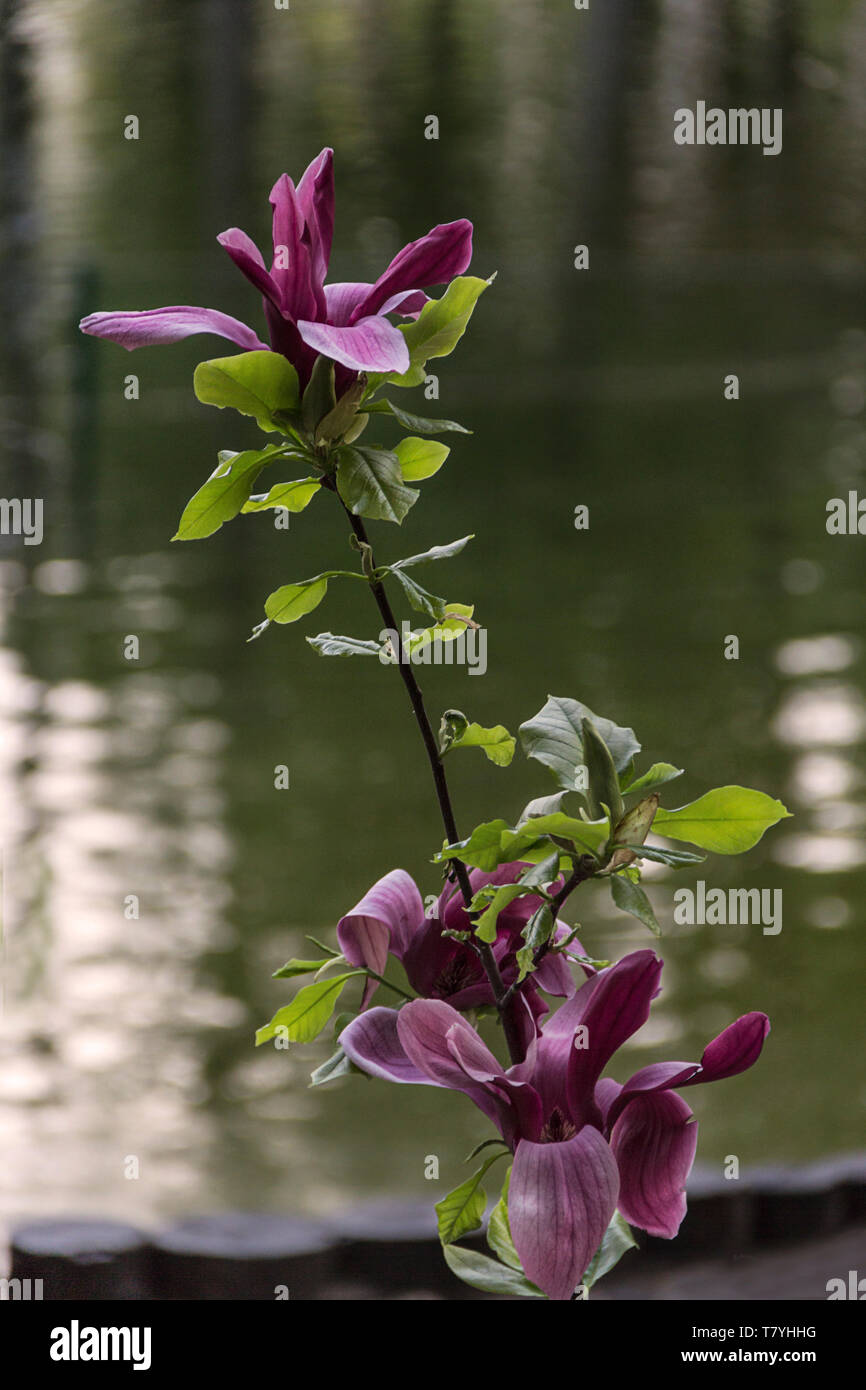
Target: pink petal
x,y
371,345
617,1004
134,328
734,1050
660,1076
560,1203
424,1029
292,245
385,920
654,1141
433,259
248,258
315,196
372,1043
341,299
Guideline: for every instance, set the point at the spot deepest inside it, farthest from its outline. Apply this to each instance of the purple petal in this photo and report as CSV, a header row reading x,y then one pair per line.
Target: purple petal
x,y
134,328
342,298
386,919
408,303
660,1076
734,1050
654,1141
432,260
425,1029
248,258
561,1200
371,345
315,196
617,1005
292,265
372,1043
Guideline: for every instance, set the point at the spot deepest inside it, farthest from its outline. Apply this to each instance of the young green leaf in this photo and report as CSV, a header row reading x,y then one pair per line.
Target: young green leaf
x,y
463,1209
255,383
418,424
293,601
496,743
319,396
727,820
616,1241
420,458
674,858
225,493
499,1230
294,497
427,557
442,322
603,782
630,897
657,775
328,644
431,605
337,1065
309,1011
632,830
370,483
299,967
554,737
490,1276
338,420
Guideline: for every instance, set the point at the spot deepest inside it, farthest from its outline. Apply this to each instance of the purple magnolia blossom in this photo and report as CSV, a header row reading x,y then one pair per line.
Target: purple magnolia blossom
x,y
390,920
345,321
582,1146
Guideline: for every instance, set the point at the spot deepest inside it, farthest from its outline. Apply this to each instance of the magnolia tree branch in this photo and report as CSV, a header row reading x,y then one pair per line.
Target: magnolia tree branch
x,y
502,996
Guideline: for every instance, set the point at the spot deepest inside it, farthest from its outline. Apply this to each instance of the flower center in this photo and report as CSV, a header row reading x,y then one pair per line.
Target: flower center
x,y
458,973
558,1128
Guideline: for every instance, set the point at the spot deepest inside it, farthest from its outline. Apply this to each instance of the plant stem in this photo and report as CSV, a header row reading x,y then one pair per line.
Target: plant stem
x,y
501,995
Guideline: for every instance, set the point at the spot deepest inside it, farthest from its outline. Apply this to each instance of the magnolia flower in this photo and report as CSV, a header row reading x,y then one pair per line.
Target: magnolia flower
x,y
345,321
390,920
582,1146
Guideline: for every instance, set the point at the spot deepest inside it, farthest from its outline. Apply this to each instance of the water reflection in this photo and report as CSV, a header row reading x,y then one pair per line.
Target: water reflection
x,y
151,780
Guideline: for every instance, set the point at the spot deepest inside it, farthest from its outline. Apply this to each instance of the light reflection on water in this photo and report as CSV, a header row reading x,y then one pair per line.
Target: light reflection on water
x,y
133,1036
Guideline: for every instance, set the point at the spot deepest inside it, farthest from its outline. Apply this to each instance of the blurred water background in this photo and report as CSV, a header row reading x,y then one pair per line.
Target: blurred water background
x,y
707,518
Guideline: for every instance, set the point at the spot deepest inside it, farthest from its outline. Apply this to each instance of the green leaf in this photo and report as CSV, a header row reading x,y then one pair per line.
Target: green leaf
x,y
338,1065
542,806
554,737
225,492
418,424
499,1230
338,421
299,967
488,1275
498,900
308,1012
463,1209
657,775
457,618
319,396
630,897
427,557
420,458
431,605
603,782
727,820
328,644
442,322
495,842
616,1241
371,484
293,496
674,858
632,830
537,931
292,601
496,743
254,383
